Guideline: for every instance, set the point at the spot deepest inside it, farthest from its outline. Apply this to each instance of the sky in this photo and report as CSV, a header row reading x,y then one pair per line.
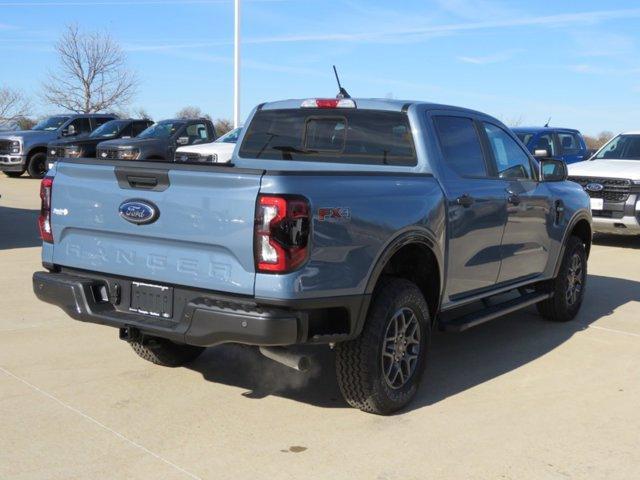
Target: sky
x,y
576,61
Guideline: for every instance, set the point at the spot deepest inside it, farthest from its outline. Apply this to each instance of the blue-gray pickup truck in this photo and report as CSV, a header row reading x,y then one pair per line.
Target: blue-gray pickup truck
x,y
361,224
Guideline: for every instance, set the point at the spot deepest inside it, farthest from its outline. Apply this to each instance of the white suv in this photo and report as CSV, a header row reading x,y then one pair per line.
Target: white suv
x,y
612,179
219,151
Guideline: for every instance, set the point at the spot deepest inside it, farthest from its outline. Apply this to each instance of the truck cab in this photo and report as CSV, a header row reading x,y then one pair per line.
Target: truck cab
x,y
26,150
565,144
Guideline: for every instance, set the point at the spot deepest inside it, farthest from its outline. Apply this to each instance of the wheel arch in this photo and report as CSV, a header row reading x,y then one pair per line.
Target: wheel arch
x,y
579,226
412,255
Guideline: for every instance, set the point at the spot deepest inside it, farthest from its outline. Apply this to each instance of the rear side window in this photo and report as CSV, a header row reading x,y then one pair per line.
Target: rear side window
x,y
570,143
461,146
331,135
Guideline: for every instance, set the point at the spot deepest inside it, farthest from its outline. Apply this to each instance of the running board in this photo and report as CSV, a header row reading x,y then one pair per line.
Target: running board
x,y
465,322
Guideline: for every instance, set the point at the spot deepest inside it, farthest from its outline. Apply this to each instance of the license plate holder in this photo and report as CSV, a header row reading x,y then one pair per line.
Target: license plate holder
x,y
152,300
597,204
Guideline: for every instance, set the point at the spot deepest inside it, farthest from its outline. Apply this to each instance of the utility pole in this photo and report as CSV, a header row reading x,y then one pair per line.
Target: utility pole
x,y
236,65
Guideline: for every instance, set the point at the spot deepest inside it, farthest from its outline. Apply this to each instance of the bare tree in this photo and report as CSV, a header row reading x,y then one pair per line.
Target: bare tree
x,y
191,112
92,75
141,112
222,126
595,143
14,105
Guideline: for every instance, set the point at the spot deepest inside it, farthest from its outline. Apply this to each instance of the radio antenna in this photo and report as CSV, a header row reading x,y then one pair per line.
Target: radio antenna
x,y
546,125
342,93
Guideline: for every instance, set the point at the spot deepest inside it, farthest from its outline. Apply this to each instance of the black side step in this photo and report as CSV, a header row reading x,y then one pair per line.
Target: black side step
x,y
465,322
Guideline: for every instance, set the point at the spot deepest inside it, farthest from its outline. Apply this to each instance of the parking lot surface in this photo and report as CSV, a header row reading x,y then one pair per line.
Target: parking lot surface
x,y
516,398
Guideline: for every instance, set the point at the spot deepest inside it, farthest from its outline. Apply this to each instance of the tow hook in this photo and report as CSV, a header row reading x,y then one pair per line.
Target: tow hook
x,y
287,358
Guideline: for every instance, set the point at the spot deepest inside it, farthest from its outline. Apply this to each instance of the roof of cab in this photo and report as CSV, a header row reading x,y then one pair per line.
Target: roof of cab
x,y
543,129
387,104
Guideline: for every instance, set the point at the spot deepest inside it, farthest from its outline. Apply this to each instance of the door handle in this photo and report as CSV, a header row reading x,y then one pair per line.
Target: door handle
x,y
513,198
465,200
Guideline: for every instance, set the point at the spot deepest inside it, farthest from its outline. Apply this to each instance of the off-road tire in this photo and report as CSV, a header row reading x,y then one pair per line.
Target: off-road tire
x,y
164,352
359,363
558,308
13,174
37,165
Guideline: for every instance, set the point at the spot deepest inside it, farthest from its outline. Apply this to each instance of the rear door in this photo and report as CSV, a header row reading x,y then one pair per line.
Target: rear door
x,y
571,146
202,236
476,207
525,244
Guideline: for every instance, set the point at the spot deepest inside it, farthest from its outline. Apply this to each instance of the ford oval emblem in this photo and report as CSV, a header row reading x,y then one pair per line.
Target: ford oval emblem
x,y
140,212
594,187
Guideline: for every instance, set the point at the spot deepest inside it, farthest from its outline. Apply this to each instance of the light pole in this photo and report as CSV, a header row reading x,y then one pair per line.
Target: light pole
x,y
236,65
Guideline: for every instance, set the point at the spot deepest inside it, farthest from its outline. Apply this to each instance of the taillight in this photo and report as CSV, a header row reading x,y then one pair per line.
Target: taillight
x,y
281,233
44,220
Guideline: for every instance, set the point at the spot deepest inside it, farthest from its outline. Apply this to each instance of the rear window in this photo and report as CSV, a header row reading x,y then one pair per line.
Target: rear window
x,y
332,135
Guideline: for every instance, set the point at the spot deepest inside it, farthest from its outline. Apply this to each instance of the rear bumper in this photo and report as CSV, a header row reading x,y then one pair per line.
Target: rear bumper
x,y
12,163
205,318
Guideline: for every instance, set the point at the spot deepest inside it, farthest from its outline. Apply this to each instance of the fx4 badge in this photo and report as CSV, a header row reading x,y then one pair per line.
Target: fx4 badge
x,y
334,214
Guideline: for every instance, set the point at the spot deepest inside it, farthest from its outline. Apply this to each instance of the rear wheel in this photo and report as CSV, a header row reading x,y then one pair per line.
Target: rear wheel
x,y
13,174
568,287
380,371
37,165
165,352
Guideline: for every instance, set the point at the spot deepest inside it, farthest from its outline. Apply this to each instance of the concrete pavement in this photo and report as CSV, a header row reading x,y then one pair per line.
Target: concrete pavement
x,y
517,398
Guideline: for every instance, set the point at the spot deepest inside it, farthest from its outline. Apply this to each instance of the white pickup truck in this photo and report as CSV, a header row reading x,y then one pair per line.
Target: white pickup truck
x,y
219,151
612,179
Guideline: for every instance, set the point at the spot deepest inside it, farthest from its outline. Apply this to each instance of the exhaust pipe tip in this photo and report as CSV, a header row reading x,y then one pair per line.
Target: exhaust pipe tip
x,y
285,357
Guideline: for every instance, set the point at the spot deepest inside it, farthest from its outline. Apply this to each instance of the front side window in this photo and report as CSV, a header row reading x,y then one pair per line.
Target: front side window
x,y
545,142
80,125
524,137
50,124
139,127
622,147
461,146
330,135
162,130
511,160
570,143
198,133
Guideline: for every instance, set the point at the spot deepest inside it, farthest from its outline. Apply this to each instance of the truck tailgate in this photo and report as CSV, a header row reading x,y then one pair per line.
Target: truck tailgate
x,y
202,237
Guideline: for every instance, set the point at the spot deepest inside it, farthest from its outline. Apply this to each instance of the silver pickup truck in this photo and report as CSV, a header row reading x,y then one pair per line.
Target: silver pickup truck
x,y
362,224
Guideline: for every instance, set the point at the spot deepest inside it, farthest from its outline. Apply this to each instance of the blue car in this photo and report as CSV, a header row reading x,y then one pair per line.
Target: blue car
x,y
562,143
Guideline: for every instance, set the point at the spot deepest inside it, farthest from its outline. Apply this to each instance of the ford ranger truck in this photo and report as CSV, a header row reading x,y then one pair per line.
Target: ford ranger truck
x,y
612,179
361,224
26,150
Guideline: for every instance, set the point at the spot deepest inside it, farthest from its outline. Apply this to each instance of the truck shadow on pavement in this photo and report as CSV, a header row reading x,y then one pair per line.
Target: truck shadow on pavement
x,y
18,228
619,241
457,362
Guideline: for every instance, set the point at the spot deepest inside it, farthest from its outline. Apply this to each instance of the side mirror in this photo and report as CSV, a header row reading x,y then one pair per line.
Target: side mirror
x,y
183,140
553,170
541,153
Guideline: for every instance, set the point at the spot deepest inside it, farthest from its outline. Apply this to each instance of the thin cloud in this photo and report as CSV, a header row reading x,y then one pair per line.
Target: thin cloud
x,y
497,57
